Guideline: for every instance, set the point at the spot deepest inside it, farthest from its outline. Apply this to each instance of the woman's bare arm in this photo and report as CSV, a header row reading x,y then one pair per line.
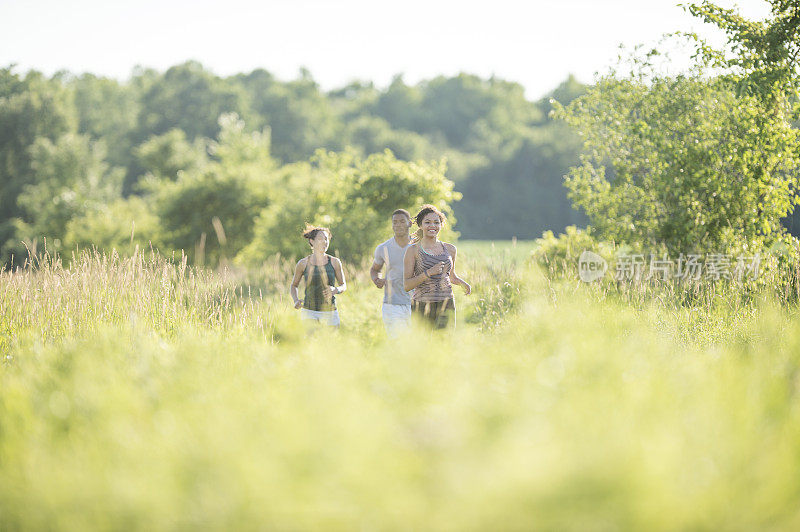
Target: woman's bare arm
x,y
298,274
337,269
454,278
411,281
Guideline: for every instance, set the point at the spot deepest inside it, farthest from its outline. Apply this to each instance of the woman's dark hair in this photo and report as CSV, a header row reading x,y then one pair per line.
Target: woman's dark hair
x,y
423,212
310,232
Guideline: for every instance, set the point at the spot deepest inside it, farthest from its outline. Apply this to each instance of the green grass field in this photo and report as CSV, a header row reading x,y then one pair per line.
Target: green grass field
x,y
138,394
500,250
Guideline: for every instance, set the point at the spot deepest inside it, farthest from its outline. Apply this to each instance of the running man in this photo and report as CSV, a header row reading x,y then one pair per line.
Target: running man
x,y
396,307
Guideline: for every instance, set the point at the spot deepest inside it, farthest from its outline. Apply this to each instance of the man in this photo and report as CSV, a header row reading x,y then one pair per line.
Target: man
x,y
396,301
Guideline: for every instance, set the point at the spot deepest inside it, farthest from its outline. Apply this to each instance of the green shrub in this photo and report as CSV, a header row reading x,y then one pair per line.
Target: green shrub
x,y
352,196
559,255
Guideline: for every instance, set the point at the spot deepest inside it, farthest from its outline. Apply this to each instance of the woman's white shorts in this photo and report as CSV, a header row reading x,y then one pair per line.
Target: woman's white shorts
x,y
330,317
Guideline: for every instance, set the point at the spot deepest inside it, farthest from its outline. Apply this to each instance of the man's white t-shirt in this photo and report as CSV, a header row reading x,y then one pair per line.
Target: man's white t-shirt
x,y
389,253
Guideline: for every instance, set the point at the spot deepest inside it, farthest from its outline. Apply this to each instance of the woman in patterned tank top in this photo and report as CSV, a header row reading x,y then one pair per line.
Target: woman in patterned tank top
x,y
429,266
323,276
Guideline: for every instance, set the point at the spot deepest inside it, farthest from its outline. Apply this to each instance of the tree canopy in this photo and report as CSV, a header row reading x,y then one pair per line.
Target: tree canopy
x,y
705,160
187,152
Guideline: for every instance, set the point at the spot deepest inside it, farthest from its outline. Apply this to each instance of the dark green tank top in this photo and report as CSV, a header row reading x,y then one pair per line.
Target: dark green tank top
x,y
317,278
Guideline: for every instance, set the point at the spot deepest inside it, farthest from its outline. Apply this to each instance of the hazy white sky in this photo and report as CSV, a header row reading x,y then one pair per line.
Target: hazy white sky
x,y
536,42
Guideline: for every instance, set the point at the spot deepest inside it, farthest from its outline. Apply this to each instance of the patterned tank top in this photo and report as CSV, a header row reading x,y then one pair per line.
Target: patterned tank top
x,y
317,278
438,287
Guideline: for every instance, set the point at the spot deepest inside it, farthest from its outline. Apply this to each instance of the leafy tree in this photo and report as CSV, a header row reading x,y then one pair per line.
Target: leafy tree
x,y
354,100
683,161
460,106
158,125
119,225
761,59
30,108
164,156
402,106
298,114
567,90
522,194
189,98
374,135
518,190
107,110
209,211
693,162
354,197
185,97
70,177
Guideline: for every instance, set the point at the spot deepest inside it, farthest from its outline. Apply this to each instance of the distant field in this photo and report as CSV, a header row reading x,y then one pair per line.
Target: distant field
x,y
505,250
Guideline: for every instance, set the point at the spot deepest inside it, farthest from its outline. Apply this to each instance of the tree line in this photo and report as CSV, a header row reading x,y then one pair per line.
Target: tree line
x,y
177,159
229,168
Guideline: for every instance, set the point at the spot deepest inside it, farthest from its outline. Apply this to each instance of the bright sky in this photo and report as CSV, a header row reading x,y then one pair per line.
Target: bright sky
x,y
535,42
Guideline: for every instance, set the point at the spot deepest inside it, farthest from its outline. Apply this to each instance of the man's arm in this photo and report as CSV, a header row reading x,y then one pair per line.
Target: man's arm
x,y
377,266
374,273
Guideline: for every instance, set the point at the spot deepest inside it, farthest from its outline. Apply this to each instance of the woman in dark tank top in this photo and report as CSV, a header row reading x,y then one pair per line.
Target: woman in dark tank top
x,y
324,279
430,271
318,279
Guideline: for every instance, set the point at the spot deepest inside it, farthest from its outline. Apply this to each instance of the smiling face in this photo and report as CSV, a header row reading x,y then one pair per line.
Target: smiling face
x,y
320,242
431,225
400,225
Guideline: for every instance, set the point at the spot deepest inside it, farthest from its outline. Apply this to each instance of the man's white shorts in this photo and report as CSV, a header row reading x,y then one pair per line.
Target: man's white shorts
x,y
325,317
396,318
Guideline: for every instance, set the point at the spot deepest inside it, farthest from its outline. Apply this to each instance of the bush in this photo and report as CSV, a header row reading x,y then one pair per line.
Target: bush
x,y
560,254
685,161
209,210
122,225
354,197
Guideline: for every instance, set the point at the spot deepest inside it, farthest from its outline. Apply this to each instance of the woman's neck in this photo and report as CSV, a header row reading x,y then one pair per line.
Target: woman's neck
x,y
318,256
429,241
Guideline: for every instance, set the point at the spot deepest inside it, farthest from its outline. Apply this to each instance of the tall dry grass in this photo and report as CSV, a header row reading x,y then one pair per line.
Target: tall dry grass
x,y
141,393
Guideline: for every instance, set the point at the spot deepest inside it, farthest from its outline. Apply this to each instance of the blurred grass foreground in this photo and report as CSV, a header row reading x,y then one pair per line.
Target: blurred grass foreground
x,y
142,394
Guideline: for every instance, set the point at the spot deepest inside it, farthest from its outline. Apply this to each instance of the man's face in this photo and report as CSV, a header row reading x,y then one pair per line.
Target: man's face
x,y
400,224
